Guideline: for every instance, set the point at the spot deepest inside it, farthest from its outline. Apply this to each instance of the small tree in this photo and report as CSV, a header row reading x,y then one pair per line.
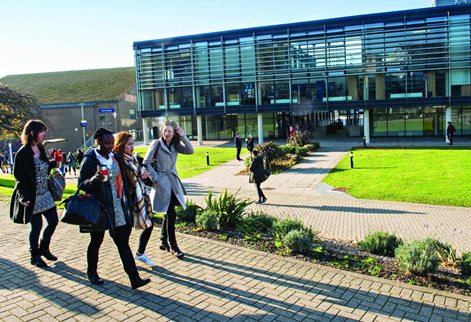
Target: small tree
x,y
15,109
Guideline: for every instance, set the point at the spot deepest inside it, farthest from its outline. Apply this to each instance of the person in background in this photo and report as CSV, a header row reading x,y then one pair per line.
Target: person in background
x,y
71,163
31,198
450,131
250,143
141,206
111,187
59,157
238,144
167,190
258,172
79,156
4,162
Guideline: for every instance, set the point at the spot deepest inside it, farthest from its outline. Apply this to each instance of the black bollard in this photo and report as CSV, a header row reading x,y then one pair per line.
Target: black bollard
x,y
207,158
364,141
351,160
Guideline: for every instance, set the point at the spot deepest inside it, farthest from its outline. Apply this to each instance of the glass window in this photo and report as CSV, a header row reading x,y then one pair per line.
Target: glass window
x,y
336,88
248,94
396,124
233,94
267,91
466,124
282,92
395,85
380,122
416,84
414,121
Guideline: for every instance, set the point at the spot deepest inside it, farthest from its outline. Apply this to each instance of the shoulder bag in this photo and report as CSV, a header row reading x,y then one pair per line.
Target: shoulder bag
x,y
83,210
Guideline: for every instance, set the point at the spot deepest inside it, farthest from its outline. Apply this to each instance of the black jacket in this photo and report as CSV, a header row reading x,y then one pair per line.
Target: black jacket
x,y
24,171
250,143
258,169
238,142
102,190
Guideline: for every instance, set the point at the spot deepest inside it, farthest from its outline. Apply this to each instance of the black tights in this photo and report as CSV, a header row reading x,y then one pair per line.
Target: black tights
x,y
120,237
36,226
259,191
144,239
168,224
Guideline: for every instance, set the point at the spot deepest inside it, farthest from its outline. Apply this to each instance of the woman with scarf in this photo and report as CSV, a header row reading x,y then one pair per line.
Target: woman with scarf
x,y
102,174
141,206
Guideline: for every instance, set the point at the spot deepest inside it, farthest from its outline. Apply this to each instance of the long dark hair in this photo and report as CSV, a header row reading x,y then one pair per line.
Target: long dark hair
x,y
31,130
176,137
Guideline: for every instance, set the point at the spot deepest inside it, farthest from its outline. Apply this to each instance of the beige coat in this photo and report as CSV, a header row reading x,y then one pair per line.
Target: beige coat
x,y
165,175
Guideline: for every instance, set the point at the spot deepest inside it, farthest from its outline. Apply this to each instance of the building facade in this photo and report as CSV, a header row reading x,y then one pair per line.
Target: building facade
x,y
403,73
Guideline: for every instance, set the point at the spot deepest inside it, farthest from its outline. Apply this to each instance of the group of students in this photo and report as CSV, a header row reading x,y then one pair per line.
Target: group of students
x,y
122,192
65,162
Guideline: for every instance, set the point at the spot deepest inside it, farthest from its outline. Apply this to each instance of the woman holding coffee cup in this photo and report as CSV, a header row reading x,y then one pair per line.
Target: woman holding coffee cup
x,y
102,174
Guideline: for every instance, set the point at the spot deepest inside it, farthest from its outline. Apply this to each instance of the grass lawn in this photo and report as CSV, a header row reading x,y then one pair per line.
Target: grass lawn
x,y
187,166
7,183
439,176
191,165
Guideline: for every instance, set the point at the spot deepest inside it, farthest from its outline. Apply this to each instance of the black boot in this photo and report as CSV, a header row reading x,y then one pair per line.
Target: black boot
x,y
164,245
36,259
44,251
176,251
94,278
137,282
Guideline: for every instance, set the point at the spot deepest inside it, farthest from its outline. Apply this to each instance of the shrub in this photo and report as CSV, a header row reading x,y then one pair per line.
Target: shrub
x,y
270,150
288,148
466,264
310,147
228,209
257,222
247,161
207,220
282,227
446,253
418,257
380,243
302,151
299,138
298,241
188,214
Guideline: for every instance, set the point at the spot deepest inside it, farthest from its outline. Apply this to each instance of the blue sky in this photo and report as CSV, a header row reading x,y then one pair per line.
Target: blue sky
x,y
56,35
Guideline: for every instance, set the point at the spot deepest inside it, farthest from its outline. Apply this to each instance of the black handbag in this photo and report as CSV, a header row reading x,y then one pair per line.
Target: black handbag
x,y
83,210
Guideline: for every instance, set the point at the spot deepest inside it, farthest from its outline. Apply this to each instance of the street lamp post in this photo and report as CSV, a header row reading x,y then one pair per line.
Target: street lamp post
x,y
115,124
83,123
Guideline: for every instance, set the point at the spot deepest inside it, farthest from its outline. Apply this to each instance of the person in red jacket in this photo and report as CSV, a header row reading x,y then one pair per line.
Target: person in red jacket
x,y
59,158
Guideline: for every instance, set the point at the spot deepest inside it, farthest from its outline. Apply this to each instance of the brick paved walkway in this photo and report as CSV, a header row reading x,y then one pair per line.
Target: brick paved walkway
x,y
215,282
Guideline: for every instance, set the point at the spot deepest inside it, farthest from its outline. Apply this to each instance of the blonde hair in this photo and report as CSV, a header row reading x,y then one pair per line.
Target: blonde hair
x,y
176,137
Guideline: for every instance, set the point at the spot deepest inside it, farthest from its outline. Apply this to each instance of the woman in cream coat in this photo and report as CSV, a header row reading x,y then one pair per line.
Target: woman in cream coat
x,y
167,190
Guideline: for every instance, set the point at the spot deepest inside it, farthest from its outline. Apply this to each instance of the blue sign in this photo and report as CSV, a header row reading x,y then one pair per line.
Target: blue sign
x,y
83,123
106,110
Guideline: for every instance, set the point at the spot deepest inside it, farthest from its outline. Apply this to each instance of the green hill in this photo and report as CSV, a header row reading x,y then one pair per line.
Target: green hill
x,y
74,86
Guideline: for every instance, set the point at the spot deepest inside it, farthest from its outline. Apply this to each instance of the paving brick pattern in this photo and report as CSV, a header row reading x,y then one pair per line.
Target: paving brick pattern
x,y
215,282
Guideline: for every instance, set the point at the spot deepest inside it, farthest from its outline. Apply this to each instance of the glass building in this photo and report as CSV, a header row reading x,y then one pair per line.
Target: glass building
x,y
402,73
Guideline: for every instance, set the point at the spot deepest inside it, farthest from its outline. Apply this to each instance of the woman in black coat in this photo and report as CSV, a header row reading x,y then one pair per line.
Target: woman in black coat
x,y
31,197
258,174
111,190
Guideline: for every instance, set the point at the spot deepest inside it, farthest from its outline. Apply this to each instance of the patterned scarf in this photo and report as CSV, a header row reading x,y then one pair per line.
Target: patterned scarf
x,y
141,208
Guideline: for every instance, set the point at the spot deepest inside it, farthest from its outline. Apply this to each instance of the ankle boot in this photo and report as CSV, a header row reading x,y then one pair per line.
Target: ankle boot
x,y
44,251
164,245
36,259
94,278
137,282
176,251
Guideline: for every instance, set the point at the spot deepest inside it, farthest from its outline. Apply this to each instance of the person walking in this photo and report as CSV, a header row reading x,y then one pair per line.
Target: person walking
x,y
4,162
31,198
71,165
102,174
250,143
59,157
80,155
167,190
238,144
257,170
450,131
141,206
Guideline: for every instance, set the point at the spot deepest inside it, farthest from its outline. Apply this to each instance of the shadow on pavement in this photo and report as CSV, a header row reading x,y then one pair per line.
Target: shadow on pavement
x,y
14,277
339,295
365,211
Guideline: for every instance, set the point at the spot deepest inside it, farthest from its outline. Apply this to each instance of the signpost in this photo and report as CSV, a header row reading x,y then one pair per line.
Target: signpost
x,y
106,110
83,124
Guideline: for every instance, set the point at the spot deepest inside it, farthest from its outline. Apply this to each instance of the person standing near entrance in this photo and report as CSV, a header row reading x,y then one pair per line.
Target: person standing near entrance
x,y
238,144
450,131
250,143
